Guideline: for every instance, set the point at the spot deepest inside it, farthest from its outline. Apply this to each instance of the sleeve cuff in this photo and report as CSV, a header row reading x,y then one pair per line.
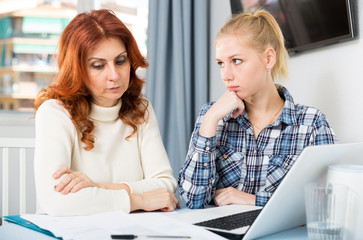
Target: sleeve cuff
x,y
262,198
204,144
120,202
131,189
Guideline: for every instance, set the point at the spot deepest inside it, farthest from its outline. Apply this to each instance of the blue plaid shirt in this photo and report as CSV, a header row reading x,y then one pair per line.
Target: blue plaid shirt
x,y
235,158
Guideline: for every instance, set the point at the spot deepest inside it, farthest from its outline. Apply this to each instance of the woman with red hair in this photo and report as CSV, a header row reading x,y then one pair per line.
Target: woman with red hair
x,y
98,146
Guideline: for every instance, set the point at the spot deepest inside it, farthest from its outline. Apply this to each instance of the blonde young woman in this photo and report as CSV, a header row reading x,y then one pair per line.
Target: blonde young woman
x,y
244,143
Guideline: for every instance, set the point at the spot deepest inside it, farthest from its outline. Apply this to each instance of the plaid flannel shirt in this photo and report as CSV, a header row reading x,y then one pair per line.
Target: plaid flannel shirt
x,y
235,158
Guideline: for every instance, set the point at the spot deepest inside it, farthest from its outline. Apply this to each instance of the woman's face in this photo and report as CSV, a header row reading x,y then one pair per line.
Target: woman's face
x,y
108,69
243,69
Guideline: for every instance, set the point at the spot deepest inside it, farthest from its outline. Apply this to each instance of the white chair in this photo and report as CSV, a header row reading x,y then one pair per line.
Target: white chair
x,y
21,145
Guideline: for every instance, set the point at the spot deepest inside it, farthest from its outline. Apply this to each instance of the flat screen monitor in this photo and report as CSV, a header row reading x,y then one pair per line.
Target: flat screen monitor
x,y
307,24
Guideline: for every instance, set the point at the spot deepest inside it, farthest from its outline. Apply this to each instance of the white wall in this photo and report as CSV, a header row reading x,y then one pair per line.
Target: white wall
x,y
329,78
14,124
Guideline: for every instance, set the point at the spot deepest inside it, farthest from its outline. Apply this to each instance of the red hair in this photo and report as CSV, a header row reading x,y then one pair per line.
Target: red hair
x,y
84,32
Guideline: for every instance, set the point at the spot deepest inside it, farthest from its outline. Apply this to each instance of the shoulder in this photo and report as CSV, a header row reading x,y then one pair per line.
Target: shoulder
x,y
308,115
298,113
52,118
149,113
51,104
52,107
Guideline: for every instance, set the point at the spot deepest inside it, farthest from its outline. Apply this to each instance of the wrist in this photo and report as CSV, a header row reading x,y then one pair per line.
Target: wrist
x,y
209,124
252,200
136,202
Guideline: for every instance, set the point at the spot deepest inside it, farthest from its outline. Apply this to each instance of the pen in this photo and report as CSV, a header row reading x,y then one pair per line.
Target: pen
x,y
131,236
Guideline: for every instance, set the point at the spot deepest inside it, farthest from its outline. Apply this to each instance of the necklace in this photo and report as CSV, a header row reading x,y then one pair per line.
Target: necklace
x,y
255,128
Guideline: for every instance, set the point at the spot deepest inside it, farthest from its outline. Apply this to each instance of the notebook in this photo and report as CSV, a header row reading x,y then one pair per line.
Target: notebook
x,y
286,207
17,219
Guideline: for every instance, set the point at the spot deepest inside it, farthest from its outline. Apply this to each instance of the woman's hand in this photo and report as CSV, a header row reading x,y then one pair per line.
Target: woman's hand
x,y
72,181
159,199
226,104
75,181
230,195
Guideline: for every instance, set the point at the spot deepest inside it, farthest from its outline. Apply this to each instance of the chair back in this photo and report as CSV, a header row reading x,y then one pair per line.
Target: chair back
x,y
17,153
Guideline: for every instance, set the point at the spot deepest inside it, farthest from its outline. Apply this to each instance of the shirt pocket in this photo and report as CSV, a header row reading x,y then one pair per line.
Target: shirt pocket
x,y
278,166
230,166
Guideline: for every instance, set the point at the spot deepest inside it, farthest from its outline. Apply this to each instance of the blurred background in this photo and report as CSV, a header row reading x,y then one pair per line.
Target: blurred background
x,y
29,33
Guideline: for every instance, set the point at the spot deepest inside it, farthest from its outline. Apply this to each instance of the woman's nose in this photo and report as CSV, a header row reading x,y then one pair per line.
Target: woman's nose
x,y
226,74
112,73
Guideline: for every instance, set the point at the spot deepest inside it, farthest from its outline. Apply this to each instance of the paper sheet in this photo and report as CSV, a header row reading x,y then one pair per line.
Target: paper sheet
x,y
101,226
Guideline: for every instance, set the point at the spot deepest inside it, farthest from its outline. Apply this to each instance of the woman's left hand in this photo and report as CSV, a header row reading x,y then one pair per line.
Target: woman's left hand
x,y
230,195
72,181
158,199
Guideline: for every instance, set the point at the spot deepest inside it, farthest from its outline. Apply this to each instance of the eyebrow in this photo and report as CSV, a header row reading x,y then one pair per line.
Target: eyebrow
x,y
101,59
234,55
230,57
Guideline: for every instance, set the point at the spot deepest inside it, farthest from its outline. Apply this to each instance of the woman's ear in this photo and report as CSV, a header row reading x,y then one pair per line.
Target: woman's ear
x,y
270,58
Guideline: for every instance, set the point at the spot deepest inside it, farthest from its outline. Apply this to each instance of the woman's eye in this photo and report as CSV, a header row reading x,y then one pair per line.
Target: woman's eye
x,y
237,61
220,64
97,66
121,60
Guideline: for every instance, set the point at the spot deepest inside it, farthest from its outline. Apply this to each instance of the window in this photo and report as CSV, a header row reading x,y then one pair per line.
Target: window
x,y
134,14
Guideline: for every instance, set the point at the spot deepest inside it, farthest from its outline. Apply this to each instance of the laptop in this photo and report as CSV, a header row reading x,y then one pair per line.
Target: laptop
x,y
286,207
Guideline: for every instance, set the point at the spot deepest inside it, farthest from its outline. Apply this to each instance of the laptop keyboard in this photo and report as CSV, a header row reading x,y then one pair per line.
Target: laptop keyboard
x,y
233,221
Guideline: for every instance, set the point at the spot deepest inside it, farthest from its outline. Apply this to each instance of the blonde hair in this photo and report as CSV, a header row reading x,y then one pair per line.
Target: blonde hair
x,y
260,30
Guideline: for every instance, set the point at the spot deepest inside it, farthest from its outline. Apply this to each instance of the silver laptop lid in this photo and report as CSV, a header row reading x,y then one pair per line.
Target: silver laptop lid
x,y
286,207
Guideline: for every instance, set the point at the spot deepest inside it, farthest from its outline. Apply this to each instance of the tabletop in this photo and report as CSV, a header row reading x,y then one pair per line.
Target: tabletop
x,y
10,231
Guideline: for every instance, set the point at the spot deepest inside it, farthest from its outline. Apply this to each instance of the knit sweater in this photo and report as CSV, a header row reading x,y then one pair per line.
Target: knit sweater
x,y
140,162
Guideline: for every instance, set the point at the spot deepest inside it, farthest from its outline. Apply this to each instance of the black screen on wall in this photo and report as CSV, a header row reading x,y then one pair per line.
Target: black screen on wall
x,y
306,23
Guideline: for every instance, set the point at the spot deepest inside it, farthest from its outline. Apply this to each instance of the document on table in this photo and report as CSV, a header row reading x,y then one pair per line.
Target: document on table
x,y
101,226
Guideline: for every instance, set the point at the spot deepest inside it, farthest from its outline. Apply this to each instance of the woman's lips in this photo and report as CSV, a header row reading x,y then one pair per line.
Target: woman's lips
x,y
232,88
114,88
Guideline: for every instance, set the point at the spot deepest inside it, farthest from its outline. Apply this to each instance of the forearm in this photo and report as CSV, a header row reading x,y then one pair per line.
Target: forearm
x,y
209,124
114,186
150,184
197,180
89,200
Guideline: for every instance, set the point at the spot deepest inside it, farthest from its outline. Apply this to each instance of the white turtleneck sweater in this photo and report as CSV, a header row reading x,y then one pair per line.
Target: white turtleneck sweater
x,y
141,161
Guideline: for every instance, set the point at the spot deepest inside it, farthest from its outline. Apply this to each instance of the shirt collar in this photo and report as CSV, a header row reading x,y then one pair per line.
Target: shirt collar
x,y
243,119
105,114
288,115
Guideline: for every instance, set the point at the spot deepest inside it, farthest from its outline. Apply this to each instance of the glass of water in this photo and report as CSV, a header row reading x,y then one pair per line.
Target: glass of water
x,y
326,209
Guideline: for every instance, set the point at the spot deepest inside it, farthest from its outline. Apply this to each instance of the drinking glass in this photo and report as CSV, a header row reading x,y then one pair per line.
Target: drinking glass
x,y
326,208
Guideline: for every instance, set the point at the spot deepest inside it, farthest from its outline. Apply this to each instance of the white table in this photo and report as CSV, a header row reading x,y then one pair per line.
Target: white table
x,y
11,231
